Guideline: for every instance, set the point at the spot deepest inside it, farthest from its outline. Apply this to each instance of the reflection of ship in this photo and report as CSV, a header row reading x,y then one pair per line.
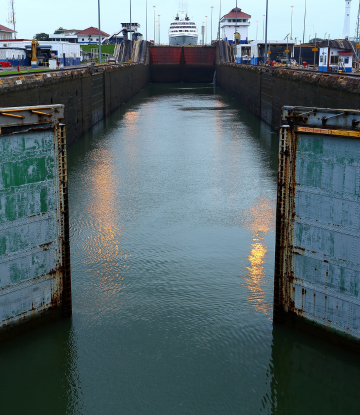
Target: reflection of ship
x,y
183,32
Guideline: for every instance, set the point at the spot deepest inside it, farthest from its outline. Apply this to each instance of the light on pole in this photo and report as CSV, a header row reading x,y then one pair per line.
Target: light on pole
x,y
212,7
155,34
206,31
304,23
146,20
266,29
263,26
219,19
159,27
236,33
154,23
292,12
130,35
99,32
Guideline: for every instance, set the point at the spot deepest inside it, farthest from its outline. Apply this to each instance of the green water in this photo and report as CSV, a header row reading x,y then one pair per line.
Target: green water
x,y
172,214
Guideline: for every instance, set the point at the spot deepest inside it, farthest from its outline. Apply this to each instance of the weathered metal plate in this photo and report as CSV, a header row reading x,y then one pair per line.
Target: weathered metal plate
x,y
317,274
34,253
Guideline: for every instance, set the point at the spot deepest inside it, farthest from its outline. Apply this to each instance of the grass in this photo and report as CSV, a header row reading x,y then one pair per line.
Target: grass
x,y
104,48
22,72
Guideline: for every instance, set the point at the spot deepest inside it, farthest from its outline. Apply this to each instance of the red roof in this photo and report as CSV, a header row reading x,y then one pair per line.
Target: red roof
x,y
6,29
240,14
345,53
93,31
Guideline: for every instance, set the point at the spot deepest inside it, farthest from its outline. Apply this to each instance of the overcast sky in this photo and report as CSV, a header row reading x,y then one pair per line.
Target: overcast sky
x,y
47,15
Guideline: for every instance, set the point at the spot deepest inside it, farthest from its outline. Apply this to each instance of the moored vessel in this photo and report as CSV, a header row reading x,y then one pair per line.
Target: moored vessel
x,y
183,32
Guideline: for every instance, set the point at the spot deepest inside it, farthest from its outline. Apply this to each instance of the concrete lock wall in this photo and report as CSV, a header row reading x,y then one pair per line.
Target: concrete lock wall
x,y
89,94
264,91
34,224
317,271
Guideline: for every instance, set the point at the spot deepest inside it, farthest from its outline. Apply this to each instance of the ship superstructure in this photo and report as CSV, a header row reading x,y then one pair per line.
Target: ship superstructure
x,y
183,32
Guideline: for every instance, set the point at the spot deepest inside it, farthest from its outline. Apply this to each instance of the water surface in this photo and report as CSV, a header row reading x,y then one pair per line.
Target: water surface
x,y
172,205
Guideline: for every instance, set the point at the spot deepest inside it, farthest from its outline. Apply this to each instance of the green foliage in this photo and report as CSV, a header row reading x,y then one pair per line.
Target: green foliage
x,y
104,48
41,36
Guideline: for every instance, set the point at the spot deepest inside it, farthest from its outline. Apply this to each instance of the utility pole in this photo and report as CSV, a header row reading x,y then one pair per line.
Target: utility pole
x,y
159,27
219,21
154,23
99,33
212,7
146,20
357,34
236,33
266,30
130,35
304,24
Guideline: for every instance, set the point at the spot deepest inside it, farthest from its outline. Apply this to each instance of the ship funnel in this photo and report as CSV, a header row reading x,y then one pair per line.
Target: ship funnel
x,y
346,32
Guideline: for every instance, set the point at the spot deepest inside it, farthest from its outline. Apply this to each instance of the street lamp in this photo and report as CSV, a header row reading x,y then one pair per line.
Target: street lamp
x,y
266,29
206,31
146,20
154,23
263,26
159,27
212,7
99,32
304,23
130,35
219,20
292,11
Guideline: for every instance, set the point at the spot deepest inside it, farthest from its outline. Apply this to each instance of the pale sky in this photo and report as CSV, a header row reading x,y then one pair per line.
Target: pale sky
x,y
323,16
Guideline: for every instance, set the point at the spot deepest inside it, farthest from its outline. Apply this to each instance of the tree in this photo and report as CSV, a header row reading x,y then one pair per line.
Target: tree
x,y
41,36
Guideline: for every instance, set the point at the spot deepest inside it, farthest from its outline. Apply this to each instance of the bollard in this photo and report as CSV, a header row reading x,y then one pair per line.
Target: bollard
x,y
18,68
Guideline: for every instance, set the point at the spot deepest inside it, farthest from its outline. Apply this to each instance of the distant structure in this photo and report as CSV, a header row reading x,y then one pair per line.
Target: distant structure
x,y
346,33
6,33
89,36
228,24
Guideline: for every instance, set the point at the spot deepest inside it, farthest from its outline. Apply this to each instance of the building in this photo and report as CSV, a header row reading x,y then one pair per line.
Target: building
x,y
66,53
16,56
65,35
228,25
6,33
275,48
90,36
336,54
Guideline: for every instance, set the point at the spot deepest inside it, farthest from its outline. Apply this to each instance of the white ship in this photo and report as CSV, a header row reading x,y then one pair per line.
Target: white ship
x,y
183,32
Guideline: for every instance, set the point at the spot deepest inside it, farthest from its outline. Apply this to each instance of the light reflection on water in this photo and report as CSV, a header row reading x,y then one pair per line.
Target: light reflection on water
x,y
172,238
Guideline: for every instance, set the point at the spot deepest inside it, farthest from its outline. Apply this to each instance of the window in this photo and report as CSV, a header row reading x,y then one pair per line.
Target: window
x,y
82,39
321,58
334,60
346,60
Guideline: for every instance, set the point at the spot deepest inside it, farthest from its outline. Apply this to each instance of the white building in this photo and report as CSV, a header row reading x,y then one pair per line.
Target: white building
x,y
257,52
229,23
17,56
336,54
6,33
90,36
346,32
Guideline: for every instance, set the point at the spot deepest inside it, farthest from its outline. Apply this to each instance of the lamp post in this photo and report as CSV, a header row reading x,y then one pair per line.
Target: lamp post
x,y
206,31
219,20
304,23
146,20
154,23
212,7
257,29
263,26
130,35
292,12
159,27
99,32
266,29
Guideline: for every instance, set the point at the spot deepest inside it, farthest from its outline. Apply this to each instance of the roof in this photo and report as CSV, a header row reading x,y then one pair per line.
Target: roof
x,y
337,44
240,14
92,31
6,29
